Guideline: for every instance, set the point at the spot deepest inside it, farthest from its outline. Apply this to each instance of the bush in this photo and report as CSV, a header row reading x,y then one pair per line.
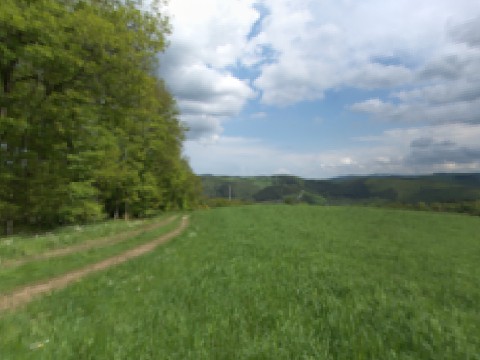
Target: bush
x,y
82,206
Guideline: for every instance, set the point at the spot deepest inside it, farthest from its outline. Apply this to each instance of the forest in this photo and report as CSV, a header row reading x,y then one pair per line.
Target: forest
x,y
87,129
436,192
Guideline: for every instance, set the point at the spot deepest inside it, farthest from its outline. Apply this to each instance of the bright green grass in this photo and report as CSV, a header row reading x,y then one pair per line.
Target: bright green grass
x,y
274,282
15,247
35,271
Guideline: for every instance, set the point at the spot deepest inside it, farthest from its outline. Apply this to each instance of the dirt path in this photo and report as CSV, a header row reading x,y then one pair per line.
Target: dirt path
x,y
27,293
104,241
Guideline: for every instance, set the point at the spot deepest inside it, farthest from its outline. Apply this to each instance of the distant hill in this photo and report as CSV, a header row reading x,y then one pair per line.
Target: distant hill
x,y
436,188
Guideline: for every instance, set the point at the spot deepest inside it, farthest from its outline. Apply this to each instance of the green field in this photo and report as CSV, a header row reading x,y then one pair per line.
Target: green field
x,y
22,246
12,277
274,282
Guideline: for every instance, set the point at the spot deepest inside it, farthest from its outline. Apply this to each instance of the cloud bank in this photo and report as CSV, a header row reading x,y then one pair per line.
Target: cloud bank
x,y
419,150
421,58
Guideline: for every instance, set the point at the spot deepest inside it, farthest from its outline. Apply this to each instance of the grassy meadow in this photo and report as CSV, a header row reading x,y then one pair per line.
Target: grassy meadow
x,y
273,282
12,277
22,246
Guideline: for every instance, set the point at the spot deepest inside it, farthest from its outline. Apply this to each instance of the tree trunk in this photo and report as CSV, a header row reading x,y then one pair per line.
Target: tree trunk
x,y
9,227
9,230
7,75
116,214
126,211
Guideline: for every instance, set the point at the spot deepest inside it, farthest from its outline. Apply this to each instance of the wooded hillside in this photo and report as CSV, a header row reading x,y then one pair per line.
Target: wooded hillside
x,y
86,128
439,192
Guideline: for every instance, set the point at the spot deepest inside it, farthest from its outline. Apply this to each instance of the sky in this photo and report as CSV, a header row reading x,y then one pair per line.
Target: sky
x,y
326,88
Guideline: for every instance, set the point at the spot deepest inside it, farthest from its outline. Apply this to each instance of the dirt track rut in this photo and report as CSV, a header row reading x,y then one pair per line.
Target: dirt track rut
x,y
105,241
26,294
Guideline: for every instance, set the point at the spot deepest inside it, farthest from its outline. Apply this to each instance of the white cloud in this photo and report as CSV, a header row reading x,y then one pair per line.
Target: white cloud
x,y
373,106
206,97
445,88
375,76
464,134
445,103
327,44
208,37
423,55
245,157
442,93
427,149
468,32
202,127
316,46
215,31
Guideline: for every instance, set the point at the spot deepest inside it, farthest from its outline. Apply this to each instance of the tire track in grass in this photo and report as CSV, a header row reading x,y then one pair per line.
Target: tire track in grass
x,y
90,244
25,294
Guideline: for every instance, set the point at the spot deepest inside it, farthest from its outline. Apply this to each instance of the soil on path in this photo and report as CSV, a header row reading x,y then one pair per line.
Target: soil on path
x,y
26,294
101,242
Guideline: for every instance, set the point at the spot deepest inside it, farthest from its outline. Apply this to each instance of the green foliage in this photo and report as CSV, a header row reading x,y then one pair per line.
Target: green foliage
x,y
82,205
465,207
455,192
278,192
221,202
313,199
85,126
274,282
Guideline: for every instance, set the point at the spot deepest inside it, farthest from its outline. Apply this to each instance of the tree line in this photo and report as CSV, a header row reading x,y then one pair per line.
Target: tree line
x,y
87,130
437,192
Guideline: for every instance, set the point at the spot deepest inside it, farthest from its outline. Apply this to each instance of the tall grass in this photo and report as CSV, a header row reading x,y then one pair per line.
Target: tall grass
x,y
20,246
274,282
35,271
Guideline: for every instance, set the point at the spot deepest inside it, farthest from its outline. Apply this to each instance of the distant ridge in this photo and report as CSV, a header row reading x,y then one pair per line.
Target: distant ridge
x,y
376,188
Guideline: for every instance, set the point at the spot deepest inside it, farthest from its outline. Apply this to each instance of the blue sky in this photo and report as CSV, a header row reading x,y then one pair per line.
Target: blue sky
x,y
322,88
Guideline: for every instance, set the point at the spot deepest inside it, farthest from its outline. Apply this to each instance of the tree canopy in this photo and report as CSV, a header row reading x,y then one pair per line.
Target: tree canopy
x,y
87,130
